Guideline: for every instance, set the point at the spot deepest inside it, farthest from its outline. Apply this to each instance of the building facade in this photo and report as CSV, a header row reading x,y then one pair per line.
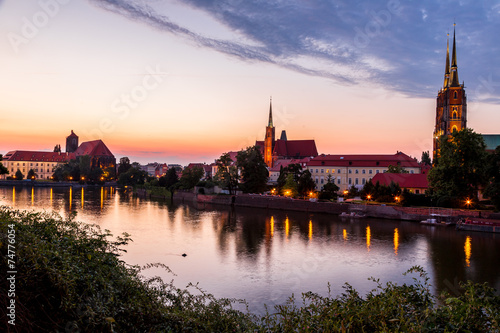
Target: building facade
x,y
451,102
356,170
42,163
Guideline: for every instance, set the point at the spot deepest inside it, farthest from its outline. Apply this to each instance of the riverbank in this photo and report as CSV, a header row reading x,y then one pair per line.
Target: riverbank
x,y
30,183
371,210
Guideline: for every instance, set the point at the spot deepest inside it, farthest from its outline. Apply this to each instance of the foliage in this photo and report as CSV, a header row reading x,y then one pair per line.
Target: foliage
x,y
330,190
133,176
306,184
80,170
73,279
19,175
124,165
190,177
460,168
426,158
396,169
84,166
3,169
31,174
381,193
57,148
492,190
353,192
295,169
169,179
254,172
412,199
227,173
290,187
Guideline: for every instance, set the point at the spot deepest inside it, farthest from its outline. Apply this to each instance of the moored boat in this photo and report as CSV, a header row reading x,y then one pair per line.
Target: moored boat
x,y
483,225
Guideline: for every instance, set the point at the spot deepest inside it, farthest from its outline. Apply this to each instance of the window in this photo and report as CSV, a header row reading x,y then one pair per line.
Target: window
x,y
316,180
327,170
350,181
350,171
377,171
24,164
322,170
338,181
370,171
363,181
356,181
412,171
338,171
322,180
363,171
417,191
316,170
455,95
356,171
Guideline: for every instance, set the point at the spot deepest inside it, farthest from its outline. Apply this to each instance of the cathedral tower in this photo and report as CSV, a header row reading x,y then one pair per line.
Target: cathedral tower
x,y
269,139
71,142
451,109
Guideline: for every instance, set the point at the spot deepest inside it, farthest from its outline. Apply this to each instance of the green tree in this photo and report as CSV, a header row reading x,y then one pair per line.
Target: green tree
x,y
169,179
254,174
190,177
124,165
227,173
3,170
295,169
31,174
460,168
84,166
330,190
290,187
133,176
492,190
306,184
396,169
426,158
19,175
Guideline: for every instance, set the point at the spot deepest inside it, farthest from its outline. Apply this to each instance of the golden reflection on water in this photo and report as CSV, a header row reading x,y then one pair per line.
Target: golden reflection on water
x,y
70,197
32,196
468,250
368,237
272,226
344,234
287,227
310,234
83,194
51,193
396,240
102,197
13,196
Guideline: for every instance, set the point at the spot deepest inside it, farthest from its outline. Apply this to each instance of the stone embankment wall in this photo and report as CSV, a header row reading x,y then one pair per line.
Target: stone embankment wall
x,y
378,211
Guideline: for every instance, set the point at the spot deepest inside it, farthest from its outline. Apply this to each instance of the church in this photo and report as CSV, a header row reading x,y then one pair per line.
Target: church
x,y
283,149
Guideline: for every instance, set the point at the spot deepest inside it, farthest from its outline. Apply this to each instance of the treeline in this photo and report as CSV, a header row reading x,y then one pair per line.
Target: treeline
x,y
71,278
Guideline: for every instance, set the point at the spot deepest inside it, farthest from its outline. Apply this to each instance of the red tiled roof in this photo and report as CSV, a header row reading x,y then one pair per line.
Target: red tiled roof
x,y
286,162
93,148
295,148
39,156
405,180
365,160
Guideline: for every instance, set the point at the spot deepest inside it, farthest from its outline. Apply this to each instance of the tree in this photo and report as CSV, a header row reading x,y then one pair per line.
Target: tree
x,y
330,190
31,174
190,177
133,176
57,148
396,169
295,169
254,172
84,166
426,158
19,175
290,187
124,165
227,173
492,190
460,168
3,170
306,184
169,179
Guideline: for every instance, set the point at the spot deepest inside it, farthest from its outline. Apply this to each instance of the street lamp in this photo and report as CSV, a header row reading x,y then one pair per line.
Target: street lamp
x,y
368,197
468,202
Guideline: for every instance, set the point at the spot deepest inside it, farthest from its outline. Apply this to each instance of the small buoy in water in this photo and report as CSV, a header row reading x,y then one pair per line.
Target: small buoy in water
x,y
184,255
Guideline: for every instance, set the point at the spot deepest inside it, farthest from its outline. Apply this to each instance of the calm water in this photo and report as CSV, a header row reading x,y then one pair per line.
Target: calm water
x,y
264,256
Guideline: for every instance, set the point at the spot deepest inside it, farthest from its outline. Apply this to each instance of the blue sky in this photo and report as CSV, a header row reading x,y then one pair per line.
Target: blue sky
x,y
184,81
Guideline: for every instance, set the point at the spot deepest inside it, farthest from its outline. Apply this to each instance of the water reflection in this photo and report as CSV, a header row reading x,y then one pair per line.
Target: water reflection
x,y
264,255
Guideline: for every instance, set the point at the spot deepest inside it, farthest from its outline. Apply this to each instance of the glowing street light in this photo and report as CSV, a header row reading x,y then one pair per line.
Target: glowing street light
x,y
468,202
397,198
368,197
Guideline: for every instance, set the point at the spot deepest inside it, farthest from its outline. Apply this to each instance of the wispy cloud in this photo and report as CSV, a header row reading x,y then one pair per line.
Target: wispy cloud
x,y
397,44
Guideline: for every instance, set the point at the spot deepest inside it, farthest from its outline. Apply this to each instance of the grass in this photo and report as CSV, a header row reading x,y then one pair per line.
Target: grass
x,y
71,278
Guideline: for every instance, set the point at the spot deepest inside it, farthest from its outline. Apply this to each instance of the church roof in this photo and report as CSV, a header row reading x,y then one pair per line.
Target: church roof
x,y
295,148
492,141
399,158
405,180
93,148
72,135
38,156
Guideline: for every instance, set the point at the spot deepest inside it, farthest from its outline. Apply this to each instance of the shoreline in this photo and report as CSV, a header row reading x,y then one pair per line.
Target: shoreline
x,y
29,183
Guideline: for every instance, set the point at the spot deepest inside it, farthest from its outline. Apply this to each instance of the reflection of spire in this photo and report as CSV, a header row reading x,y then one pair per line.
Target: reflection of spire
x,y
447,67
270,113
454,68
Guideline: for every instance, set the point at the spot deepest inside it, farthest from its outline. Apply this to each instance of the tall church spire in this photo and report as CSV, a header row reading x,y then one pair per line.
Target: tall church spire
x,y
447,68
454,68
270,113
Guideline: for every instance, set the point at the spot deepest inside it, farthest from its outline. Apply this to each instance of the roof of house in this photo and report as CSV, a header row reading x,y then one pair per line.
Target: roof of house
x,y
93,148
399,158
39,156
405,180
295,148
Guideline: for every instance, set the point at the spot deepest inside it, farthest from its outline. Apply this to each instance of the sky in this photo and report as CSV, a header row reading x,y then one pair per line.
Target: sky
x,y
185,81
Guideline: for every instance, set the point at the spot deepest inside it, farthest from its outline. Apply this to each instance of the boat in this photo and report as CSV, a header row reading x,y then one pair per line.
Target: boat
x,y
478,224
352,215
439,220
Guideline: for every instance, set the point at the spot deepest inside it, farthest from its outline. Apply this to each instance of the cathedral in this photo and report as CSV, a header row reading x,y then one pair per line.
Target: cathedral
x,y
283,149
451,109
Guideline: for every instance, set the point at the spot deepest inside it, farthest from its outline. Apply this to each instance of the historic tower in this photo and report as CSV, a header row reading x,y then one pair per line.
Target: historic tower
x,y
269,139
71,142
451,109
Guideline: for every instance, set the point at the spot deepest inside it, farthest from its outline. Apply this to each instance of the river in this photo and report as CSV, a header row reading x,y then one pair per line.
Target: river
x,y
265,256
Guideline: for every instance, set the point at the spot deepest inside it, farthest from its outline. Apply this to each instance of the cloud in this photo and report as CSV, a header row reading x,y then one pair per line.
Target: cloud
x,y
397,44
